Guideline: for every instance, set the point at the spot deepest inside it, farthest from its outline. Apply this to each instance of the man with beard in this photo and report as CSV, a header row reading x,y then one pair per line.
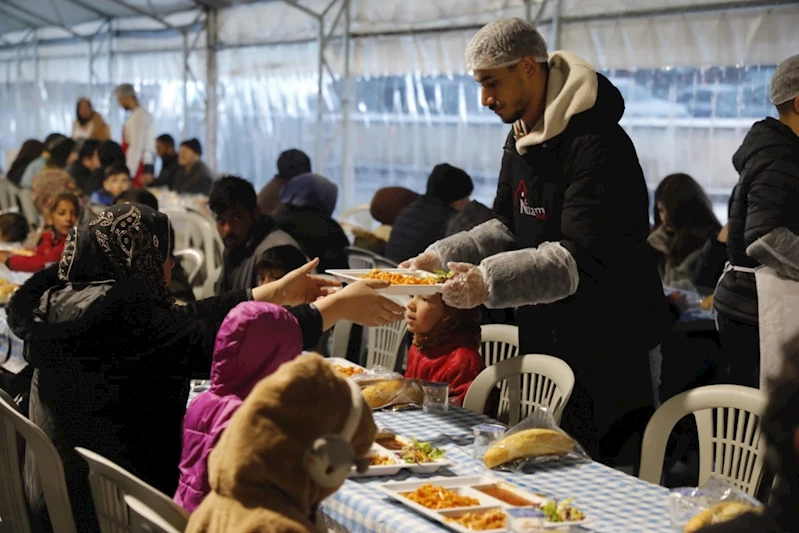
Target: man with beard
x,y
138,137
568,247
246,232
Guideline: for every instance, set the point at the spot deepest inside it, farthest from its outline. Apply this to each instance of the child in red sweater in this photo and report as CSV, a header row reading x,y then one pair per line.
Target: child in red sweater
x,y
62,218
446,344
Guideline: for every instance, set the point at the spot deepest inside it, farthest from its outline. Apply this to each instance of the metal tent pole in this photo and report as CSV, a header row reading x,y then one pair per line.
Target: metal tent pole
x,y
211,80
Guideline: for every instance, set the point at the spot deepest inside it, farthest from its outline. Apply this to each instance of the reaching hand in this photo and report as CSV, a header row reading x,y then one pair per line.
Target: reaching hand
x,y
362,304
300,287
467,288
428,261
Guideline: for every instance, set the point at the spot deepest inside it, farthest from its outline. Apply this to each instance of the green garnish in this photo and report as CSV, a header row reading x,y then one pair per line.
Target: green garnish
x,y
421,452
443,275
561,512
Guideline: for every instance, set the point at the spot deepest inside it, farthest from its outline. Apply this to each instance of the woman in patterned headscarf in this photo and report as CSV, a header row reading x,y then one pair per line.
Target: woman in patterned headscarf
x,y
113,355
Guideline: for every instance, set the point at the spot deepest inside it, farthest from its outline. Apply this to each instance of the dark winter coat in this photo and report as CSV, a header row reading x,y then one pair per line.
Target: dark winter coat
x,y
766,198
418,226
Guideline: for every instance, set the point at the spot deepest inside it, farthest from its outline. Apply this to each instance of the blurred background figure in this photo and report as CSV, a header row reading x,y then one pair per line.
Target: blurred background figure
x,y
684,221
192,176
291,163
425,221
88,123
30,151
308,204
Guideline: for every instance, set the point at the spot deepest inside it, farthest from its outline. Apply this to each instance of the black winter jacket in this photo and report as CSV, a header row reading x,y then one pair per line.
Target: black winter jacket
x,y
112,375
317,234
585,188
418,226
766,198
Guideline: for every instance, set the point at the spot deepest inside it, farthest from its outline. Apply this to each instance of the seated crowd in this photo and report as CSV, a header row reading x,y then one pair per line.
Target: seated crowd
x,y
108,315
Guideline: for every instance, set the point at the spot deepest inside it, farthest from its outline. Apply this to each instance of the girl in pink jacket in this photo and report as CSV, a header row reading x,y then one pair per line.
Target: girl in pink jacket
x,y
253,341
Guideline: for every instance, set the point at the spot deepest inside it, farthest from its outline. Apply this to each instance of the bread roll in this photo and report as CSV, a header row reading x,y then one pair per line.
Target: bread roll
x,y
393,392
528,443
721,512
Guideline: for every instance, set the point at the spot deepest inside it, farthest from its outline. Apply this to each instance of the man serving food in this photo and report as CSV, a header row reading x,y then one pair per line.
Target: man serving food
x,y
568,245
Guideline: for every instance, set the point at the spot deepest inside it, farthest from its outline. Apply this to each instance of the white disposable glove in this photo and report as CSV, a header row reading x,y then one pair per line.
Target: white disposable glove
x,y
467,288
428,261
779,250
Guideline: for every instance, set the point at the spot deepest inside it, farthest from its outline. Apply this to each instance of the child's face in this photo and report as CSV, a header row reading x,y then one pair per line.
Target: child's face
x,y
116,184
424,312
63,217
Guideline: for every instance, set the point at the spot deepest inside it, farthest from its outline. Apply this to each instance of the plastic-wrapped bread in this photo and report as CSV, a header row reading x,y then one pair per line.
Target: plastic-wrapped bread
x,y
721,512
393,392
527,443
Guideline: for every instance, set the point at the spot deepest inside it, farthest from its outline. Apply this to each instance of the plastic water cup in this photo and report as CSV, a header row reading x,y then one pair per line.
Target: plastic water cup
x,y
436,398
484,436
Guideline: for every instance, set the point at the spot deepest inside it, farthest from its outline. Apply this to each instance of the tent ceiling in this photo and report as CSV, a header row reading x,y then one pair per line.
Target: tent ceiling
x,y
16,15
69,15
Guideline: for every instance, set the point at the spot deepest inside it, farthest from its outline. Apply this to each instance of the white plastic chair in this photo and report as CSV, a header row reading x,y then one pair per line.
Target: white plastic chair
x,y
110,483
384,344
360,258
498,342
145,520
193,230
13,505
191,260
358,215
384,262
728,423
532,381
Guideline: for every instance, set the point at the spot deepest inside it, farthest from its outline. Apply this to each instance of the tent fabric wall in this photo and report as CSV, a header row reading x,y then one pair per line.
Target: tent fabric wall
x,y
413,103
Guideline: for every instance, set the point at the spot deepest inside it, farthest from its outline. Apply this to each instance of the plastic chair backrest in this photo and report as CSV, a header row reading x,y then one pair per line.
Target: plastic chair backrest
x,y
358,258
8,195
531,381
29,210
110,483
384,344
728,423
360,216
145,520
13,505
191,259
498,342
383,262
193,230
342,332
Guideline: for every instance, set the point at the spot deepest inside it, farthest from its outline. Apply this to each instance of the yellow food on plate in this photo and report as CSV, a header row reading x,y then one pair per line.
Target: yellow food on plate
x,y
399,279
393,392
527,443
707,303
721,512
348,371
482,520
381,460
435,497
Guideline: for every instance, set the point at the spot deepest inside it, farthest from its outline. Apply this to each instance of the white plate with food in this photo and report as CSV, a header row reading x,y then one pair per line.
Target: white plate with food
x,y
479,503
345,367
403,454
403,280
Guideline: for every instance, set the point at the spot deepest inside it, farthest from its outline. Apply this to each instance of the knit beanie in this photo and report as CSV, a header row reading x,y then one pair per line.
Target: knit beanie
x,y
388,202
449,184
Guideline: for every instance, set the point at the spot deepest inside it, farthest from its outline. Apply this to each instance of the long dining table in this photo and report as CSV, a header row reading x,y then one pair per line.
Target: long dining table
x,y
614,502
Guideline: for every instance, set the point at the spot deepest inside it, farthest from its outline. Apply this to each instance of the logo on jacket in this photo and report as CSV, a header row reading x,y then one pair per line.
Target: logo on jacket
x,y
520,200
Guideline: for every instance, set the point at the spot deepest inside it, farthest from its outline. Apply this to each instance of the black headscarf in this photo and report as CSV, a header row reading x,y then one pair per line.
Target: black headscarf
x,y
124,241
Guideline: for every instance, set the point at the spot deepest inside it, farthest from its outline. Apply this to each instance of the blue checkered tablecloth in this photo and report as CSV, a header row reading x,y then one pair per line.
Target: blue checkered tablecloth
x,y
614,502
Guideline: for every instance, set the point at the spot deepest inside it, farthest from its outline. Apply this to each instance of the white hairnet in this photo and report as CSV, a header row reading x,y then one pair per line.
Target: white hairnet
x,y
785,83
503,43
